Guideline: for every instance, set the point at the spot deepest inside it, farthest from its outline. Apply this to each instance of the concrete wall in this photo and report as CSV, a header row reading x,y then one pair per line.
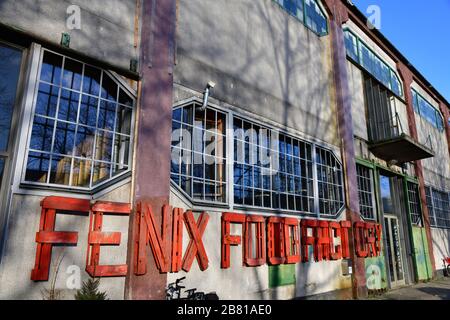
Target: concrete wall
x,y
242,283
441,246
262,59
20,251
106,33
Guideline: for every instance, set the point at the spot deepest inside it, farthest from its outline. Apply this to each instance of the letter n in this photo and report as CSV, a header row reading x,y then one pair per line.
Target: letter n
x,y
159,241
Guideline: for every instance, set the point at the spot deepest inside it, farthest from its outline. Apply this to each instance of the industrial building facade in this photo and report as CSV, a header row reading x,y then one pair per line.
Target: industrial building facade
x,y
271,149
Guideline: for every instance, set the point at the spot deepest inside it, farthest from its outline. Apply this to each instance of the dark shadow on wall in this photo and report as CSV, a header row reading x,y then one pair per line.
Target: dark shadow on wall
x,y
209,48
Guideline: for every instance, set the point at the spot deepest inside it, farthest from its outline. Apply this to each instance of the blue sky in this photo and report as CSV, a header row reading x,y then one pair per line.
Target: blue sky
x,y
421,31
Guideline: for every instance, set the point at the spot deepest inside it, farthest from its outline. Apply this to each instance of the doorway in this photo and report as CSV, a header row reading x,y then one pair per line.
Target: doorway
x,y
395,229
10,69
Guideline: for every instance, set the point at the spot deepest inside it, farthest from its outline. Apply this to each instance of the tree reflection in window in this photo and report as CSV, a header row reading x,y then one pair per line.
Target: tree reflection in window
x,y
198,164
82,125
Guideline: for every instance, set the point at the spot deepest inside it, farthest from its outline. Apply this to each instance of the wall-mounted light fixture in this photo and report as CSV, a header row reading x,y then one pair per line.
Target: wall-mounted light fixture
x,y
210,85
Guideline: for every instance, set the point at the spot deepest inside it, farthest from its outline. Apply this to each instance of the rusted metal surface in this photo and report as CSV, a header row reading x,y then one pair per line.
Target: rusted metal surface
x,y
152,153
343,104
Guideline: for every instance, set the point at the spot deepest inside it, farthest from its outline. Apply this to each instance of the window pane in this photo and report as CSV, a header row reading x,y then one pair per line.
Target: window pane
x,y
125,99
37,167
72,74
47,100
351,45
10,60
42,134
68,105
81,173
103,149
106,115
60,170
64,138
84,142
88,111
109,88
91,80
315,19
102,172
121,149
51,68
123,122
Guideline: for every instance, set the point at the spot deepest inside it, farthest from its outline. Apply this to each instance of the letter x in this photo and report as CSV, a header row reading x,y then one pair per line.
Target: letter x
x,y
195,248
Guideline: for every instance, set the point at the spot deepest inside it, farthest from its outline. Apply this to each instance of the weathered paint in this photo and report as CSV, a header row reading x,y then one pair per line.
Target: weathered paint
x,y
281,275
421,254
376,274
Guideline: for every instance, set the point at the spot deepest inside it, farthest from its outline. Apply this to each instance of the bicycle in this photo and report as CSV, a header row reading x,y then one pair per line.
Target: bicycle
x,y
446,266
173,292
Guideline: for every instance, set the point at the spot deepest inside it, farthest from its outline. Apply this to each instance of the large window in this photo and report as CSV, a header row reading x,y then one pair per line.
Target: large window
x,y
272,170
365,192
360,53
427,111
269,169
198,152
438,203
81,134
414,204
308,12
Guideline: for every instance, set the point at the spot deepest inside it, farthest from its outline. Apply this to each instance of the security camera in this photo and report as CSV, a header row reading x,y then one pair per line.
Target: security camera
x,y
211,84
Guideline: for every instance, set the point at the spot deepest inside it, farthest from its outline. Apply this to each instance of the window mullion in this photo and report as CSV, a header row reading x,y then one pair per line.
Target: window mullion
x,y
315,180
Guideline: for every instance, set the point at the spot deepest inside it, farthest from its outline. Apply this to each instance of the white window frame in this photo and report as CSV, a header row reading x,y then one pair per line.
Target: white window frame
x,y
232,112
20,185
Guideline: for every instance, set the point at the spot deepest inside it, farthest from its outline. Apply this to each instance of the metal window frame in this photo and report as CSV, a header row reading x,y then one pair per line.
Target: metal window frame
x,y
27,126
418,111
371,171
435,207
229,157
360,43
322,10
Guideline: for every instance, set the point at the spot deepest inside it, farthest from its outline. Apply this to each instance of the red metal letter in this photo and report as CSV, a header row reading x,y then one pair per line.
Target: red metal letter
x,y
360,239
335,232
275,241
195,247
345,225
98,238
177,240
227,239
46,236
149,234
259,256
307,240
292,240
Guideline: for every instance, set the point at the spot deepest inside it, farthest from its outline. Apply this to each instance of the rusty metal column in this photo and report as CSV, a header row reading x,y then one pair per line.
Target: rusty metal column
x,y
152,154
343,100
407,78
